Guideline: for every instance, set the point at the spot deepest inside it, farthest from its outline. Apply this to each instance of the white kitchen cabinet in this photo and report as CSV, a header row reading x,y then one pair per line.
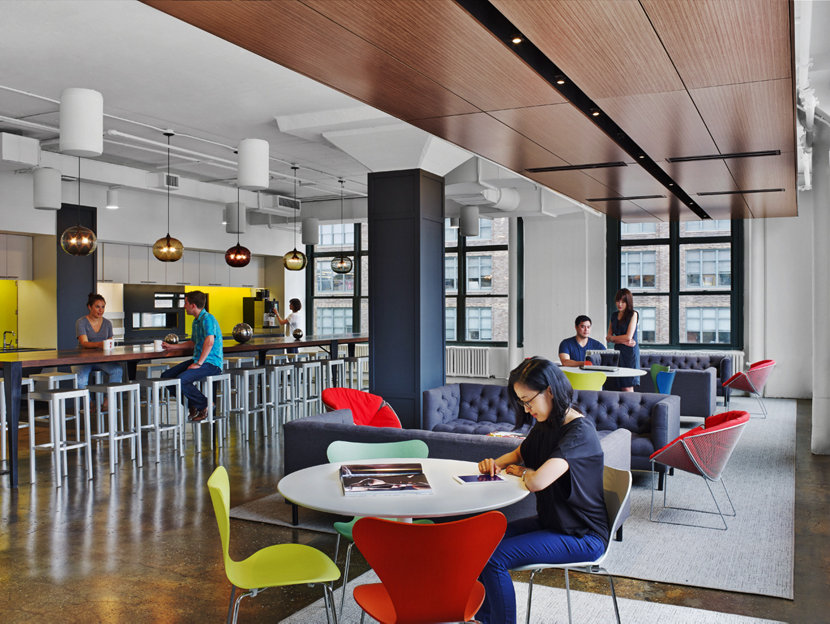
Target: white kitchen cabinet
x,y
251,276
145,268
183,272
213,270
15,257
113,263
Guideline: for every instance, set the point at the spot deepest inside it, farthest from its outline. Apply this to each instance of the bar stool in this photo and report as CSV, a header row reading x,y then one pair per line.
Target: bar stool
x,y
58,443
29,386
277,358
150,370
334,372
239,361
118,426
52,380
218,411
307,384
281,391
249,384
357,368
157,393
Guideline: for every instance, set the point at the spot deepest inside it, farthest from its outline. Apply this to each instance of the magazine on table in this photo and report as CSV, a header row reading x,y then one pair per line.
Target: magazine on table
x,y
362,479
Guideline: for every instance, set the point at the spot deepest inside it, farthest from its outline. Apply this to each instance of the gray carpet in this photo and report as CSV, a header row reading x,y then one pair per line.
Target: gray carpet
x,y
550,607
755,555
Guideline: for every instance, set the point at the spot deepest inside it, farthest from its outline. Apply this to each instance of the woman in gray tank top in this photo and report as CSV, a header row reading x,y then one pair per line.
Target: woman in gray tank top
x,y
91,331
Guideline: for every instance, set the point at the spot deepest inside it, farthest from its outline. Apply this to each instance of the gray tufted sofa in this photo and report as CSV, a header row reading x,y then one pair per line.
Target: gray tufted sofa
x,y
652,419
692,361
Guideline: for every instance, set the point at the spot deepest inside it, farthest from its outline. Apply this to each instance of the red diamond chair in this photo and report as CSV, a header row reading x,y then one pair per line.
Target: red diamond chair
x,y
703,451
752,381
367,409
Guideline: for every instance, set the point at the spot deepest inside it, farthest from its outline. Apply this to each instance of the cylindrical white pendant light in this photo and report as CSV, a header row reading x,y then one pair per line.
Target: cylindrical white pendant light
x,y
252,164
468,224
112,199
235,216
82,122
47,188
311,231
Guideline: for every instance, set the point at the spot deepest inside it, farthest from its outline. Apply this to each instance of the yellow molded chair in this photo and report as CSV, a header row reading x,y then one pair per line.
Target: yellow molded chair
x,y
342,451
273,566
586,381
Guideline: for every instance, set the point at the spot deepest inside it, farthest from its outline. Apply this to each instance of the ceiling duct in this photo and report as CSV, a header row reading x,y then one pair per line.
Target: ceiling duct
x,y
282,207
477,192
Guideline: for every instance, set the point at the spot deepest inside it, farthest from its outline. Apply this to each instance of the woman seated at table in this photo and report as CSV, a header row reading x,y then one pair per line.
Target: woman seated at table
x,y
561,461
92,330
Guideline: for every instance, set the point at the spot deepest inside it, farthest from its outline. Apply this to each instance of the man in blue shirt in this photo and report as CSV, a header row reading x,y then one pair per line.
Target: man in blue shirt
x,y
572,351
206,342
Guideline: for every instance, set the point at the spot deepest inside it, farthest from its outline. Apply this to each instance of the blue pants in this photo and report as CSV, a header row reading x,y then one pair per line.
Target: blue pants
x,y
114,372
525,542
188,377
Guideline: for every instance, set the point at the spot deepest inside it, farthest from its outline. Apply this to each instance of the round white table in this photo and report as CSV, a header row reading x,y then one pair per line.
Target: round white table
x,y
318,487
620,372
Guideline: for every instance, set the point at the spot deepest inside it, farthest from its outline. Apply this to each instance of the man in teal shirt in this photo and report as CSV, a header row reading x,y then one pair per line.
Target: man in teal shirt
x,y
206,342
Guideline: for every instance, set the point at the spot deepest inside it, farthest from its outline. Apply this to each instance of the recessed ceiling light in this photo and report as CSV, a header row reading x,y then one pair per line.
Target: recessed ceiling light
x,y
641,156
595,113
560,81
517,40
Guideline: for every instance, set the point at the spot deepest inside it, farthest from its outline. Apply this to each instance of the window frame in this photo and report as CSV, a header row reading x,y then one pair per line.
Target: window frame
x,y
615,245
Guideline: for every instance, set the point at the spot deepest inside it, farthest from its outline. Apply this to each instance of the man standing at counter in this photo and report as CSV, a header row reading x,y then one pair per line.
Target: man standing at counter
x,y
206,342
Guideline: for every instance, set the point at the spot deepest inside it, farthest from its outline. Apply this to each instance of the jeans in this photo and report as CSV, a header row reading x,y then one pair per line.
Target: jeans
x,y
114,372
188,376
525,542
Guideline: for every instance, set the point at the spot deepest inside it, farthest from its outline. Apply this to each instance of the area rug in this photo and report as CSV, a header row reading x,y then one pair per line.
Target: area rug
x,y
755,555
550,607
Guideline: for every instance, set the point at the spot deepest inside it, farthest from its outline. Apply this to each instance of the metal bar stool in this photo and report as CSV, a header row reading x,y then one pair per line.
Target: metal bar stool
x,y
250,397
281,392
29,386
308,385
334,372
357,369
58,443
121,425
158,395
150,370
52,381
218,411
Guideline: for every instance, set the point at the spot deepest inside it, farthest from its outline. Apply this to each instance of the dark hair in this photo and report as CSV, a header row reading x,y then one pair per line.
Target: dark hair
x,y
539,374
295,305
92,298
623,294
581,319
197,298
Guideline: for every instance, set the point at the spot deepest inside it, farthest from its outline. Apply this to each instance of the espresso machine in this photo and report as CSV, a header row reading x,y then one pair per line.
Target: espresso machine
x,y
260,312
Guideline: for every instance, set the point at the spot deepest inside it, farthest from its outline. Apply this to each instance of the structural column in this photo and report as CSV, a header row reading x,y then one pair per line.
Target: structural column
x,y
821,292
406,288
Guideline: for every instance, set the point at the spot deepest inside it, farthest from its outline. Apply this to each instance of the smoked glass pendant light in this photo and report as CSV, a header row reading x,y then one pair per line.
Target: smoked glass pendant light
x,y
295,260
238,256
167,248
341,263
78,240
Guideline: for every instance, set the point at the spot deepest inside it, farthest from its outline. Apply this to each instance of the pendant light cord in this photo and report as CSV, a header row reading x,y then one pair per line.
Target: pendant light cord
x,y
294,169
342,229
79,191
167,183
237,216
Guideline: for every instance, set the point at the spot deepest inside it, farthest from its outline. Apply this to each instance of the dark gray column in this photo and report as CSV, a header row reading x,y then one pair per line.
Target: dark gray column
x,y
76,276
406,288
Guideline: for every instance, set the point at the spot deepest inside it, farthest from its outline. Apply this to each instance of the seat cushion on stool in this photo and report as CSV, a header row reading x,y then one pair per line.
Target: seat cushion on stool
x,y
367,409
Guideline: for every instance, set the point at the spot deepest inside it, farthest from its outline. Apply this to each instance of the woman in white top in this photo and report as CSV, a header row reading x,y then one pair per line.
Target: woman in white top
x,y
293,318
91,331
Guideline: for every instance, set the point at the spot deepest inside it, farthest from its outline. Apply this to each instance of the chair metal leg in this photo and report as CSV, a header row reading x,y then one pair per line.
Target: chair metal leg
x,y
346,576
328,596
230,605
529,595
568,594
613,596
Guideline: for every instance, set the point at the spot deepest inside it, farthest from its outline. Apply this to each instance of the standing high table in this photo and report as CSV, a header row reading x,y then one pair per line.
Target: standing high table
x,y
14,363
318,487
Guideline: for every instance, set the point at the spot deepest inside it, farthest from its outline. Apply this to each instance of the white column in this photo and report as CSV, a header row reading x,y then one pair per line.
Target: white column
x,y
514,353
820,338
756,299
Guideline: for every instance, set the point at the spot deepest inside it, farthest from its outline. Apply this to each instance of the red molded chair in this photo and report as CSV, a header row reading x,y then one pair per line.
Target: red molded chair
x,y
367,409
703,451
428,572
752,380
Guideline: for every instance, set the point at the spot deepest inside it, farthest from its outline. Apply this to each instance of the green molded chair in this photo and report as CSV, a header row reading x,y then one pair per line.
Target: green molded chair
x,y
663,378
341,451
272,566
586,381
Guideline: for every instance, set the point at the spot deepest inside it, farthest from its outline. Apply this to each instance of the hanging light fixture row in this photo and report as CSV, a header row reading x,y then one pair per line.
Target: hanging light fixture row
x,y
238,256
167,248
341,263
295,260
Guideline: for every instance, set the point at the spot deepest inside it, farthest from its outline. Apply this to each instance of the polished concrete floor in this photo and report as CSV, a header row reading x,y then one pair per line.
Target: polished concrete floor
x,y
142,545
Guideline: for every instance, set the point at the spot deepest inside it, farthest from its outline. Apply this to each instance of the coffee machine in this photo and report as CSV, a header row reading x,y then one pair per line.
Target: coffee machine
x,y
260,312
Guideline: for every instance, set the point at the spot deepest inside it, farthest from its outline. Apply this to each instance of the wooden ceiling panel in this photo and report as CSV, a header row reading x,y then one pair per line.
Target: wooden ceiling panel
x,y
566,132
664,125
490,138
608,49
724,206
300,38
628,181
441,41
701,176
749,117
720,42
769,205
763,172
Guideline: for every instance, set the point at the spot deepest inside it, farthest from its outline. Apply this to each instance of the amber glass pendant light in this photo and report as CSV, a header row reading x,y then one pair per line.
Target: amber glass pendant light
x,y
167,248
238,256
295,260
78,240
341,263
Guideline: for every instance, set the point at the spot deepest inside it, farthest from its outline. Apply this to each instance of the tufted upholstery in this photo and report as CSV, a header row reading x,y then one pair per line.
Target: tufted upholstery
x,y
694,361
652,419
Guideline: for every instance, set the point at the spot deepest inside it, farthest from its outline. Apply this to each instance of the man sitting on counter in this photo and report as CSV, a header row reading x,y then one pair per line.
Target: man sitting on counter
x,y
206,342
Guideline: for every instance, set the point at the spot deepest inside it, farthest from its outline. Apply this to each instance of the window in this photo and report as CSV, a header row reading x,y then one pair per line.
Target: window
x,y
327,281
479,324
708,267
686,278
476,283
647,325
708,325
337,235
638,269
334,320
